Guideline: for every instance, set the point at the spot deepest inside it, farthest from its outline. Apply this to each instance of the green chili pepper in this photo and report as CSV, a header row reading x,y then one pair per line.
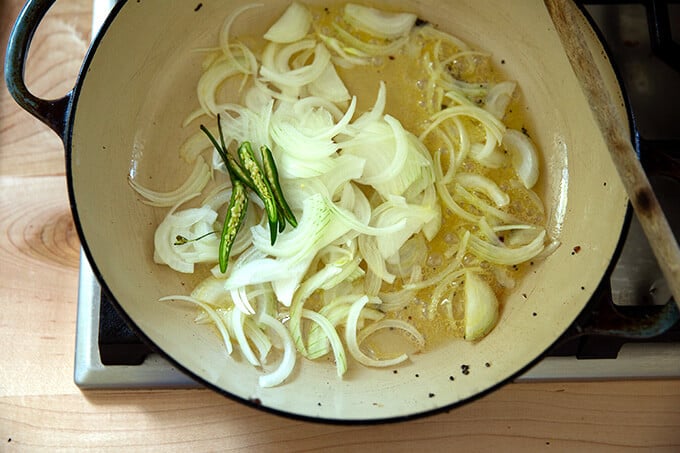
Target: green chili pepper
x,y
236,212
272,175
233,167
264,191
264,182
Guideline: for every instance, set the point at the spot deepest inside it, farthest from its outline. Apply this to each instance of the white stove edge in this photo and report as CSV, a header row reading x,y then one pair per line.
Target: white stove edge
x,y
635,361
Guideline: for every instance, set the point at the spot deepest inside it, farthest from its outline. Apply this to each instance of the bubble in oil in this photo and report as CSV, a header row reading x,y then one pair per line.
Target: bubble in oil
x,y
450,238
435,260
468,259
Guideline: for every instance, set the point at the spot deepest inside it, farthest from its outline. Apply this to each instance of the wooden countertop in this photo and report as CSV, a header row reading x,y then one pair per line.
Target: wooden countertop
x,y
42,409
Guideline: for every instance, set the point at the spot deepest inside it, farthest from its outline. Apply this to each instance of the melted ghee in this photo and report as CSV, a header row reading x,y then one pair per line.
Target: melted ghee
x,y
405,74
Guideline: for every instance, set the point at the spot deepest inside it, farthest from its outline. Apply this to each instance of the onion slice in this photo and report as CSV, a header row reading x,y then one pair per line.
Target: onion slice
x,y
195,183
292,25
333,337
353,342
287,364
524,156
379,23
481,307
211,313
484,185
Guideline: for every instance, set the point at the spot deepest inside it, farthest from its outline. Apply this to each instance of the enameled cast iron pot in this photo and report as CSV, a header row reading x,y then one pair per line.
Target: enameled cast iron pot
x,y
123,118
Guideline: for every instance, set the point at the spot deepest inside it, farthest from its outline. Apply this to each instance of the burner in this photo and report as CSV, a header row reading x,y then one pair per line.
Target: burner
x,y
642,42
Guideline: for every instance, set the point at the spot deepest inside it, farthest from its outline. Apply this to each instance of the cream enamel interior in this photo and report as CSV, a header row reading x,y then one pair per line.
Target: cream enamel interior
x,y
140,86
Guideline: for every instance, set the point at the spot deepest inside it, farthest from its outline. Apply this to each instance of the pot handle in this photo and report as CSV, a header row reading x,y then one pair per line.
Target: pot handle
x,y
53,113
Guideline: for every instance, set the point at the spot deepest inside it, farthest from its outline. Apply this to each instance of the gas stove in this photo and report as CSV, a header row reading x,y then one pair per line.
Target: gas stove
x,y
642,37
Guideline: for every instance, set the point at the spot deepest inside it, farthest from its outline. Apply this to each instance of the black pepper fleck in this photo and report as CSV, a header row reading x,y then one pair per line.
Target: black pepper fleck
x,y
395,371
465,369
502,61
534,314
391,57
417,375
451,378
487,364
421,22
318,404
431,395
199,6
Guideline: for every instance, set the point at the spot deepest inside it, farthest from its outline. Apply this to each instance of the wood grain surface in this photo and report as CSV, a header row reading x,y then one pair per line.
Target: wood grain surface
x,y
41,409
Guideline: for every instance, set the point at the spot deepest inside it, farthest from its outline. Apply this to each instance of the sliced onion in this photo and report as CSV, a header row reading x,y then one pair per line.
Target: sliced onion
x,y
379,23
211,290
336,312
211,80
493,125
524,156
330,86
225,31
484,185
219,322
411,255
332,335
410,331
394,211
300,76
190,223
241,300
344,58
498,98
193,146
259,339
352,341
287,364
195,183
376,112
397,300
237,325
293,25
481,307
365,49
482,205
374,261
506,255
